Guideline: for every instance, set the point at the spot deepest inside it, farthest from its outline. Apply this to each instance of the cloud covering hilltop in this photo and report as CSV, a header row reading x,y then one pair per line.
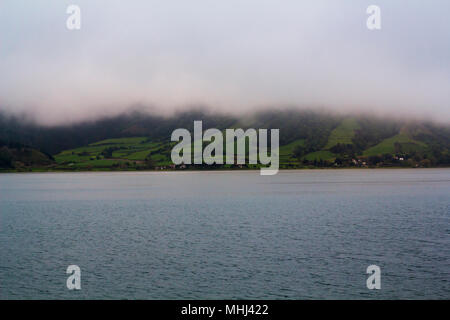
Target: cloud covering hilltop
x,y
230,55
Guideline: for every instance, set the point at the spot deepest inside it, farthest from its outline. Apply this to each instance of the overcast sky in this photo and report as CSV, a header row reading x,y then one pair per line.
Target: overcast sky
x,y
230,55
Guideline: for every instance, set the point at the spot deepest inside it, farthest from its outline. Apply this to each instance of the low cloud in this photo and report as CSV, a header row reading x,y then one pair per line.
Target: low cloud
x,y
232,56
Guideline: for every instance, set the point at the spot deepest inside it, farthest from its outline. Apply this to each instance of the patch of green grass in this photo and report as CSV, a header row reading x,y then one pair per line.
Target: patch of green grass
x,y
95,163
388,145
130,151
139,148
320,155
87,149
288,149
343,134
287,152
139,156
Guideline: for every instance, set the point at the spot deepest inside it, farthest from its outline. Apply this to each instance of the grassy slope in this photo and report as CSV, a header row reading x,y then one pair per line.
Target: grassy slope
x,y
388,145
137,149
287,152
343,134
23,159
128,150
320,155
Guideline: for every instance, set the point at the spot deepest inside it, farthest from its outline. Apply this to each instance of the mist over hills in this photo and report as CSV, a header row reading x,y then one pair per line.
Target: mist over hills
x,y
307,138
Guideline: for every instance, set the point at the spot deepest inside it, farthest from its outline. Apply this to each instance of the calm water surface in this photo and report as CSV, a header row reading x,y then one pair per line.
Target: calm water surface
x,y
296,235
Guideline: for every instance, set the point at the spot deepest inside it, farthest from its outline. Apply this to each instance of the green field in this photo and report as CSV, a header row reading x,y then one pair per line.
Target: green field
x,y
343,134
131,153
387,146
287,152
140,153
320,155
125,153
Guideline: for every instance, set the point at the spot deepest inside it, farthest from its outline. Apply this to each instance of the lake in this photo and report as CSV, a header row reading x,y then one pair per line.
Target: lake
x,y
307,234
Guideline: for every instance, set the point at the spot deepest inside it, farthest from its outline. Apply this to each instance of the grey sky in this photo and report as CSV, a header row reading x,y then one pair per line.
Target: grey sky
x,y
230,55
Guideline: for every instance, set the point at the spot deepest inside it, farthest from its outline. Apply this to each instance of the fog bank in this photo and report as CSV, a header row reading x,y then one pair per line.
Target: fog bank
x,y
232,56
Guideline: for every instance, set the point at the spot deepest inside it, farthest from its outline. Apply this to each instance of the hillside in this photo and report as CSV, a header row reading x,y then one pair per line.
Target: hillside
x,y
343,134
307,139
16,157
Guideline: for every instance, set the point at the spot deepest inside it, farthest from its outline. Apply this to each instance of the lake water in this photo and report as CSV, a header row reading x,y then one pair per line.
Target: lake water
x,y
226,235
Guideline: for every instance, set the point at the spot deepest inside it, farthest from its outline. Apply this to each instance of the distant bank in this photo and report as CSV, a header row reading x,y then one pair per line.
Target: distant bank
x,y
135,142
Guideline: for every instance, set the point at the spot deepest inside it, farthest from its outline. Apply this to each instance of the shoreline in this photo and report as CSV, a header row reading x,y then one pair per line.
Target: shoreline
x,y
217,170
